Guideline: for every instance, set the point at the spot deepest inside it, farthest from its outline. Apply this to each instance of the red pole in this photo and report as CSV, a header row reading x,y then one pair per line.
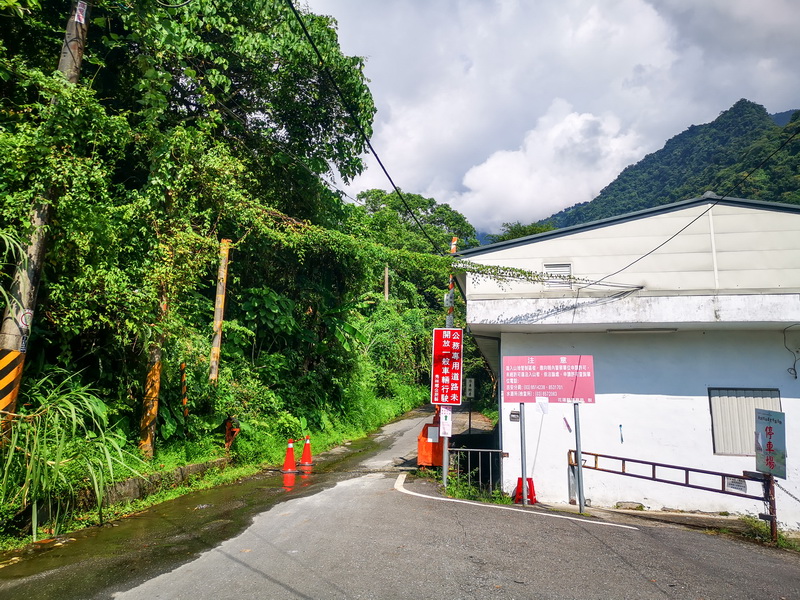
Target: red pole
x,y
184,398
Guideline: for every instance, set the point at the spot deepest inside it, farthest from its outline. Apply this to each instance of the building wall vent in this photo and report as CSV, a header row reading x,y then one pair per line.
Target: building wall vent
x,y
558,275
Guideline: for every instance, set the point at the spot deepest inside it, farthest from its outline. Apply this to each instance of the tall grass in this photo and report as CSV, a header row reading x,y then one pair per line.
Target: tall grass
x,y
57,445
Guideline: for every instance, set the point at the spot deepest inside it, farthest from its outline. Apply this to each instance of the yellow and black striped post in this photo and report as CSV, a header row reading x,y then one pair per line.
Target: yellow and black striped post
x,y
11,363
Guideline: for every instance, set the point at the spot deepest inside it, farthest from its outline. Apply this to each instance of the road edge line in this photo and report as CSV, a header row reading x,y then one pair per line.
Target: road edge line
x,y
398,485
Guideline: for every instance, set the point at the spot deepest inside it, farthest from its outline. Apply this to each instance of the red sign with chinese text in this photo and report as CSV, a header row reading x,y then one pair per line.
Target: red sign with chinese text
x,y
548,378
447,366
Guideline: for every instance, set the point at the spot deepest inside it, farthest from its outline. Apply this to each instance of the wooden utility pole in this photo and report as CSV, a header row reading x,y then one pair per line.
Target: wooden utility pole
x,y
18,314
219,310
152,386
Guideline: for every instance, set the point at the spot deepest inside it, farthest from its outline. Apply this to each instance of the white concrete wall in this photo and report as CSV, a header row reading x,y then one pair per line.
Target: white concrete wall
x,y
656,387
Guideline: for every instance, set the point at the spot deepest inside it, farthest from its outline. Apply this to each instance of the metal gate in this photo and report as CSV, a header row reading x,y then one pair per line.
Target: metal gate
x,y
682,476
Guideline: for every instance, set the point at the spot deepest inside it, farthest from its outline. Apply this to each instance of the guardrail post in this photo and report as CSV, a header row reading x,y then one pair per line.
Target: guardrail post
x,y
769,485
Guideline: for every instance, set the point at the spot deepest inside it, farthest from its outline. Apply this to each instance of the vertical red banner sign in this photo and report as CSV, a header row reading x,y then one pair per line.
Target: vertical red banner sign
x,y
447,366
548,378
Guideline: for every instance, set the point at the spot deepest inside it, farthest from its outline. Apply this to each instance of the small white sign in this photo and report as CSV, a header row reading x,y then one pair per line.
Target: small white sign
x,y
735,484
80,13
446,421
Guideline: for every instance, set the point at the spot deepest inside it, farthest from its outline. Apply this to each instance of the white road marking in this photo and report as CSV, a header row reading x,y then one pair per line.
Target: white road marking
x,y
398,485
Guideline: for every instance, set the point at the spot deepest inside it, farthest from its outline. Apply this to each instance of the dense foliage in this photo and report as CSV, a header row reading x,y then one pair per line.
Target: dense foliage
x,y
715,156
208,121
512,231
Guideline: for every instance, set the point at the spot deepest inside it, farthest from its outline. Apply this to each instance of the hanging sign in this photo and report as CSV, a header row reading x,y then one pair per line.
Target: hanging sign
x,y
771,442
447,366
559,378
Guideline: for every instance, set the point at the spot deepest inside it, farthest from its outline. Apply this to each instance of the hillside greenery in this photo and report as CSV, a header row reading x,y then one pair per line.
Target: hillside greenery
x,y
722,156
192,124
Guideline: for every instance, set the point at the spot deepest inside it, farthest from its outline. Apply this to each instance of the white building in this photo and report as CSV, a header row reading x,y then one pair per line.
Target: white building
x,y
691,312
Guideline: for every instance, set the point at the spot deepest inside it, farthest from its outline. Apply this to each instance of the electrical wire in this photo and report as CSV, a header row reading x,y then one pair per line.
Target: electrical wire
x,y
360,129
698,217
182,4
795,353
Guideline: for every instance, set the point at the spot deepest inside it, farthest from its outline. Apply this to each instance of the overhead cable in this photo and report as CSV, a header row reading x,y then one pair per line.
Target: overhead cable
x,y
360,129
698,217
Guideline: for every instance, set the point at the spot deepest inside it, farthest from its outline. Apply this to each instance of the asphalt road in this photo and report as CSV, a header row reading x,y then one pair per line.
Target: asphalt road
x,y
374,533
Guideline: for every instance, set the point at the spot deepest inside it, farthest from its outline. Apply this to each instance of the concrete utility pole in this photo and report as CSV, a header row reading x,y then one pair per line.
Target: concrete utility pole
x,y
18,314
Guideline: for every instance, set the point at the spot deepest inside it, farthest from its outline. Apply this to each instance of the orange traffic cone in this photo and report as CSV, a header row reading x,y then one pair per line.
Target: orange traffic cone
x,y
531,492
288,463
305,459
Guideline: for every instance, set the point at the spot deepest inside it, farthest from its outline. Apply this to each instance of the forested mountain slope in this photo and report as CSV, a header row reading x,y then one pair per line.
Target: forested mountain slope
x,y
715,156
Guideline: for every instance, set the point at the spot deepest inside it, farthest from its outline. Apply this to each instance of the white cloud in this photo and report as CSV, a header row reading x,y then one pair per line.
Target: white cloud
x,y
542,103
567,158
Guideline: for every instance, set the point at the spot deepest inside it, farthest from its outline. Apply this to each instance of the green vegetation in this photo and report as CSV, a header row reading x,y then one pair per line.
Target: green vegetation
x,y
464,486
759,531
190,125
210,121
715,156
459,486
512,231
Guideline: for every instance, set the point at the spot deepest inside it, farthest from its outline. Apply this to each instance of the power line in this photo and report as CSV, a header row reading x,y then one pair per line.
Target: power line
x,y
182,4
698,217
360,129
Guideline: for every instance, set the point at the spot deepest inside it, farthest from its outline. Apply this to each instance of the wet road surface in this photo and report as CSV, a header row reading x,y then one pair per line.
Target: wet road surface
x,y
95,562
360,529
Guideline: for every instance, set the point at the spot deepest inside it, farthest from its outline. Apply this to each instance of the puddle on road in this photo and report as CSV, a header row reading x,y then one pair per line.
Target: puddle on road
x,y
94,562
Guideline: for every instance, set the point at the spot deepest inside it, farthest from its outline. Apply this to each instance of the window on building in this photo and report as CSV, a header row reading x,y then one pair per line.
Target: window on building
x,y
733,415
561,273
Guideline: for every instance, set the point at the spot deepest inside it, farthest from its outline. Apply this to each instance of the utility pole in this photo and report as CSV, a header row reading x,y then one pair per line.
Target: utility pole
x,y
152,385
18,314
219,310
445,411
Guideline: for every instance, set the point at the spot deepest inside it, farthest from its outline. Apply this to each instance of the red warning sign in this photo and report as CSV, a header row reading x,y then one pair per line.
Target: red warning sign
x,y
548,378
447,366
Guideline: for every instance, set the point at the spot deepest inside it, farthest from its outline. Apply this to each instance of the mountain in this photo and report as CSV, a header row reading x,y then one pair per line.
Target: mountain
x,y
716,156
782,118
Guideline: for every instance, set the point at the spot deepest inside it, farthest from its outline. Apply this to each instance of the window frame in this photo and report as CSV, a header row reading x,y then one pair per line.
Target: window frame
x,y
731,433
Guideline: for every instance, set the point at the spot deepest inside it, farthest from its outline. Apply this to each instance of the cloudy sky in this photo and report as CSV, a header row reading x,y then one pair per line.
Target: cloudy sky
x,y
510,110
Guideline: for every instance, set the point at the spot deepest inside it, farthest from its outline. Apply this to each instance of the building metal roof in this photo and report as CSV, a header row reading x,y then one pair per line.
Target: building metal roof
x,y
707,198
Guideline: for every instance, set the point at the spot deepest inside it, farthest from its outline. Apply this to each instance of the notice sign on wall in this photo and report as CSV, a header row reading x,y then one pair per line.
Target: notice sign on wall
x,y
771,442
446,369
548,378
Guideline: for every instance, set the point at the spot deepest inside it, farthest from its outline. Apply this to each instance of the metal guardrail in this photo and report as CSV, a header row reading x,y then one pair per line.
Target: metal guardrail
x,y
481,466
767,481
654,468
